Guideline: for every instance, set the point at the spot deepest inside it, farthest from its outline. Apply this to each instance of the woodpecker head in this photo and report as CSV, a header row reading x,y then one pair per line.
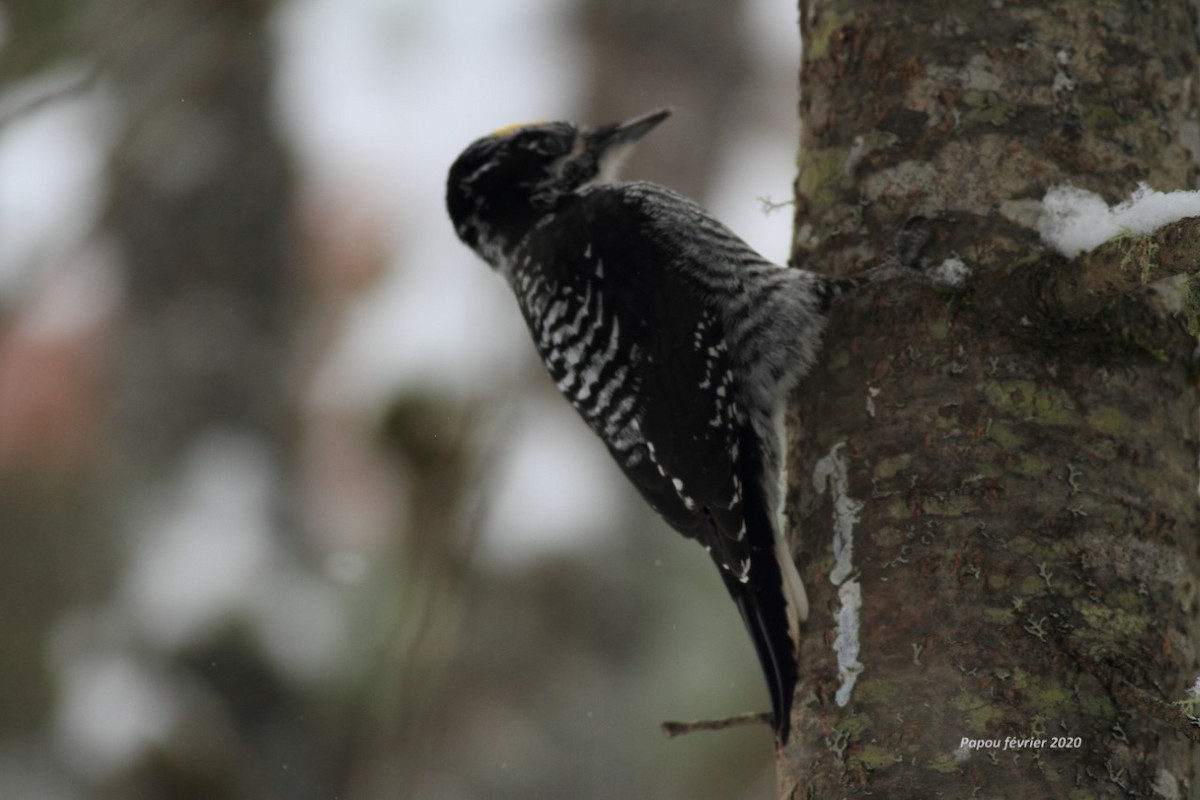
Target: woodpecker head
x,y
505,182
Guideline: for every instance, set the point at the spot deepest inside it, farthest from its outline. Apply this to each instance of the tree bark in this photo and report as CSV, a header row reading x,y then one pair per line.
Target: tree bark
x,y
994,493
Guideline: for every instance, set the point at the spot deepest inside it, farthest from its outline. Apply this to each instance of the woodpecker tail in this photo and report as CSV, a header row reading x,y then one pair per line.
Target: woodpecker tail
x,y
770,617
771,600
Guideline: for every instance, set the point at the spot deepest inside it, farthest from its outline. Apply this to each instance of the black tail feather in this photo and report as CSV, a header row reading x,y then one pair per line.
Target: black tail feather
x,y
771,603
763,607
763,599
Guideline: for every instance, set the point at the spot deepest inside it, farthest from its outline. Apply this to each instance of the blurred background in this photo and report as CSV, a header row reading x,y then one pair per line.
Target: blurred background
x,y
288,508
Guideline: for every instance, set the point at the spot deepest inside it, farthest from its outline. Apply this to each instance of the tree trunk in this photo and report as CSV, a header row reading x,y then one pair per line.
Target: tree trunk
x,y
994,493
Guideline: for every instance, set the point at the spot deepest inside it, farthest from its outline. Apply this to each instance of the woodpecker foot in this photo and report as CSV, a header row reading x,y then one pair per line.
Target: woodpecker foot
x,y
905,260
911,239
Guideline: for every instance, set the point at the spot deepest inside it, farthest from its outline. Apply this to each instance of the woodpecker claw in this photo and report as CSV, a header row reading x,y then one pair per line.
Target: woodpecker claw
x,y
911,239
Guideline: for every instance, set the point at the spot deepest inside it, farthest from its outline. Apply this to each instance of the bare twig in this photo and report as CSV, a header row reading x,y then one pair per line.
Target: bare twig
x,y
673,729
770,206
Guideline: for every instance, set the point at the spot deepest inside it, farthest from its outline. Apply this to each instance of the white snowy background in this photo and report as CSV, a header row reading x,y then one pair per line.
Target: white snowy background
x,y
374,99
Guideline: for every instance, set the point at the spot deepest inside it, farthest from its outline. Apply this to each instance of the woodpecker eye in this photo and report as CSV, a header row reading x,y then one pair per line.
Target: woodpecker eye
x,y
543,142
551,146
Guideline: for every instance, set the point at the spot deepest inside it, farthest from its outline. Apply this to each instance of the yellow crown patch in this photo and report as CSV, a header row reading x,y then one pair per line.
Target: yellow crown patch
x,y
507,129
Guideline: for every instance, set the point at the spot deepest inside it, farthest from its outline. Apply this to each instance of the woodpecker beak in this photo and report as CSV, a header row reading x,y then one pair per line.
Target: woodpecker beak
x,y
612,143
608,137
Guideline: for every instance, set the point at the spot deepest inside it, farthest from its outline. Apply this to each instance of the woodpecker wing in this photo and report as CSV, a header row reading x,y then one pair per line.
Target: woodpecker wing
x,y
703,262
690,474
630,329
686,415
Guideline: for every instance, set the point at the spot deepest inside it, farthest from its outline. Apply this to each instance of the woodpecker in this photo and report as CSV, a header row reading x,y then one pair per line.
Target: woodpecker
x,y
674,340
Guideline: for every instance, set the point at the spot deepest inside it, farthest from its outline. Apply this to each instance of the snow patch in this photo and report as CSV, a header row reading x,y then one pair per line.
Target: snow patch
x,y
1075,220
951,273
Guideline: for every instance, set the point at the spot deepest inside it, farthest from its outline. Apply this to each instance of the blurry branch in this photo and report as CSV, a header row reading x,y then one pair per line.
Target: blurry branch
x,y
673,729
431,438
77,82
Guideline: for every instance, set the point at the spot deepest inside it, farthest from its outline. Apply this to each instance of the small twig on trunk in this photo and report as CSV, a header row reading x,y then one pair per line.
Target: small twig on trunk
x,y
673,729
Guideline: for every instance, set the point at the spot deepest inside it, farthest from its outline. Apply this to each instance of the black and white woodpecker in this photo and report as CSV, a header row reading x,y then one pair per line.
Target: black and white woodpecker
x,y
674,340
